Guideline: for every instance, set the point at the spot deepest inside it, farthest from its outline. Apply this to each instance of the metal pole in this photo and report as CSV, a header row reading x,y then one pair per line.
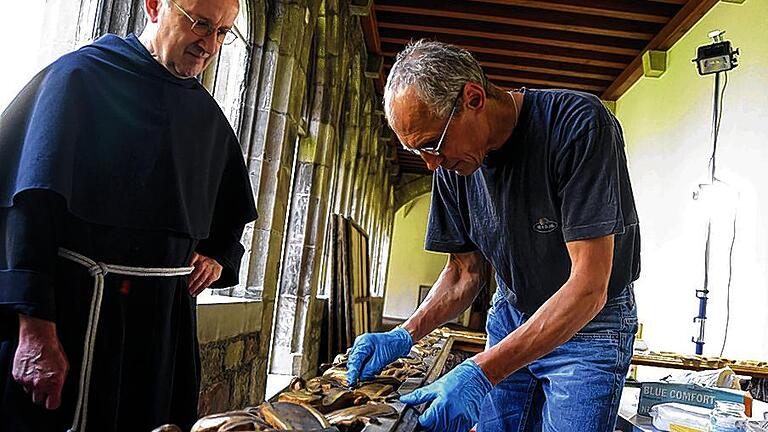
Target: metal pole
x,y
701,294
715,125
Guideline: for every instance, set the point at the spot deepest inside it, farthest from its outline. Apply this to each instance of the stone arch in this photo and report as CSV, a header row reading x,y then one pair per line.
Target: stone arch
x,y
411,190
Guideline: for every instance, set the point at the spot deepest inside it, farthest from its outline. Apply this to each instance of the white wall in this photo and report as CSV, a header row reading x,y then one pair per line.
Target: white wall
x,y
667,129
409,264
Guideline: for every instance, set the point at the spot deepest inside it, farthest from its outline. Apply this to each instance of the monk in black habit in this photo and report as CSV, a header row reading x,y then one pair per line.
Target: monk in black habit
x,y
123,194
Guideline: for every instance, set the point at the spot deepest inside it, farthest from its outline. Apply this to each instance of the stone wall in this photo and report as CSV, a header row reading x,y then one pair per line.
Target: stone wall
x,y
231,367
230,374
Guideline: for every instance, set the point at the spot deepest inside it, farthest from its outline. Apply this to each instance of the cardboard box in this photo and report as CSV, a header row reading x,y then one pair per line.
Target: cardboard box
x,y
653,393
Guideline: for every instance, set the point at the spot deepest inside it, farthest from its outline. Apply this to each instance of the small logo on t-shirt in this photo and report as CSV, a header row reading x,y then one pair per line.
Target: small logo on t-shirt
x,y
544,226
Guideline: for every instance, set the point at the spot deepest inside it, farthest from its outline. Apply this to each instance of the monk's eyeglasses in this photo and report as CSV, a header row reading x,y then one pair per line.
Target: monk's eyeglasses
x,y
203,28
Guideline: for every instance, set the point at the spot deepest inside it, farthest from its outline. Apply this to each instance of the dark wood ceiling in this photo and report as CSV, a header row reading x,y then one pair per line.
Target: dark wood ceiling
x,y
594,46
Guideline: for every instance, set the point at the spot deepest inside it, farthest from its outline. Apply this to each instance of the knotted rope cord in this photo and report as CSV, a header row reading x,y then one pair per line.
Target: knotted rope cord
x,y
99,270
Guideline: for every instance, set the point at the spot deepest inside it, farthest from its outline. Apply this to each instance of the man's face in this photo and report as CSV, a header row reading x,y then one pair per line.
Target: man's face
x,y
181,51
463,147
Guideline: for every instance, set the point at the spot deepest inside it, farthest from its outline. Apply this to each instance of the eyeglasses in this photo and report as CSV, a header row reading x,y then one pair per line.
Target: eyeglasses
x,y
203,28
434,149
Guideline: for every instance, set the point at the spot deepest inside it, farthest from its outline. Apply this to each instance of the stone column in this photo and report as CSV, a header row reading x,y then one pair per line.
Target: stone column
x,y
271,147
324,125
296,292
257,15
257,22
360,169
351,136
337,53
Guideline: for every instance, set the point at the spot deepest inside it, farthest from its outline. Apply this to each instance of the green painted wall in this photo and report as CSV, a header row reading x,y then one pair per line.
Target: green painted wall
x,y
409,264
667,125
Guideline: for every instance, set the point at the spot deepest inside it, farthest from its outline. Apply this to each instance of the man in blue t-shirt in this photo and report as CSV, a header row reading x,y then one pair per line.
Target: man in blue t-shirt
x,y
536,183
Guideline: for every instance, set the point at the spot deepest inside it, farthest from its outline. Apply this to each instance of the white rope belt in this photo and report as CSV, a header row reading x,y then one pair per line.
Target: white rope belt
x,y
99,270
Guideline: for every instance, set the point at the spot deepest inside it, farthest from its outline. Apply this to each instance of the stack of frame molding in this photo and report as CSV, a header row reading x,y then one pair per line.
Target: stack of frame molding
x,y
433,351
348,312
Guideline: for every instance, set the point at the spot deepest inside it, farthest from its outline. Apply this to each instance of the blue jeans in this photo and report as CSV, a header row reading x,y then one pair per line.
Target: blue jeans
x,y
575,388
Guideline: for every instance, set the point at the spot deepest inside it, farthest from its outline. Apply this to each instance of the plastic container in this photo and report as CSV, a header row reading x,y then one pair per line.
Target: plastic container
x,y
727,417
667,415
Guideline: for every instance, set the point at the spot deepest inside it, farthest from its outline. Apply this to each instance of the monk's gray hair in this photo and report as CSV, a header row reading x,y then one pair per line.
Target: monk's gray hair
x,y
437,72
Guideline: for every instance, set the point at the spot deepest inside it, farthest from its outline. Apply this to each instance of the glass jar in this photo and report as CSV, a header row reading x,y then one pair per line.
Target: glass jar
x,y
727,417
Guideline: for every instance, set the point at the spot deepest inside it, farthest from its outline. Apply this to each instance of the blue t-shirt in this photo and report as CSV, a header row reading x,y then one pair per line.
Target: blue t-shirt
x,y
561,176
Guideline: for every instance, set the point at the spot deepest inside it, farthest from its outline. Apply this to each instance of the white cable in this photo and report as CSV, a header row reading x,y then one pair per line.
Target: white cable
x,y
99,270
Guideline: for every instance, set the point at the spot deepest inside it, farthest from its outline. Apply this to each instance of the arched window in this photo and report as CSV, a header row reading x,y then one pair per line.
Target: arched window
x,y
226,77
37,33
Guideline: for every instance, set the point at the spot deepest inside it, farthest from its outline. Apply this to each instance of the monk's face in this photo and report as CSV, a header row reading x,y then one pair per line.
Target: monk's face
x,y
181,50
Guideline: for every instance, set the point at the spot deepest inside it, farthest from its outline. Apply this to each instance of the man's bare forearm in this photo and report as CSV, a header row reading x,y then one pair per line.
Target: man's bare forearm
x,y
454,291
553,324
559,318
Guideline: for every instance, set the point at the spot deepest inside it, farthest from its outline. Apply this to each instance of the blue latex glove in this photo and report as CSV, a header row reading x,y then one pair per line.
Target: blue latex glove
x,y
372,352
456,399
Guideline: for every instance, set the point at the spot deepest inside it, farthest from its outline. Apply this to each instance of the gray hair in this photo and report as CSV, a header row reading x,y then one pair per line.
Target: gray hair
x,y
437,71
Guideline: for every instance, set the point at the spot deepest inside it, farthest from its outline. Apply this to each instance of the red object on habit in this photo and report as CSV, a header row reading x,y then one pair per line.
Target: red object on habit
x,y
125,287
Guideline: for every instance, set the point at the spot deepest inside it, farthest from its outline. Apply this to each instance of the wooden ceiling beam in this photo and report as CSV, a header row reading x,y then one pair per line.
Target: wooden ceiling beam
x,y
507,82
689,15
514,66
679,25
514,15
511,33
500,80
677,2
531,50
626,9
370,27
548,71
525,63
556,81
373,43
513,49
